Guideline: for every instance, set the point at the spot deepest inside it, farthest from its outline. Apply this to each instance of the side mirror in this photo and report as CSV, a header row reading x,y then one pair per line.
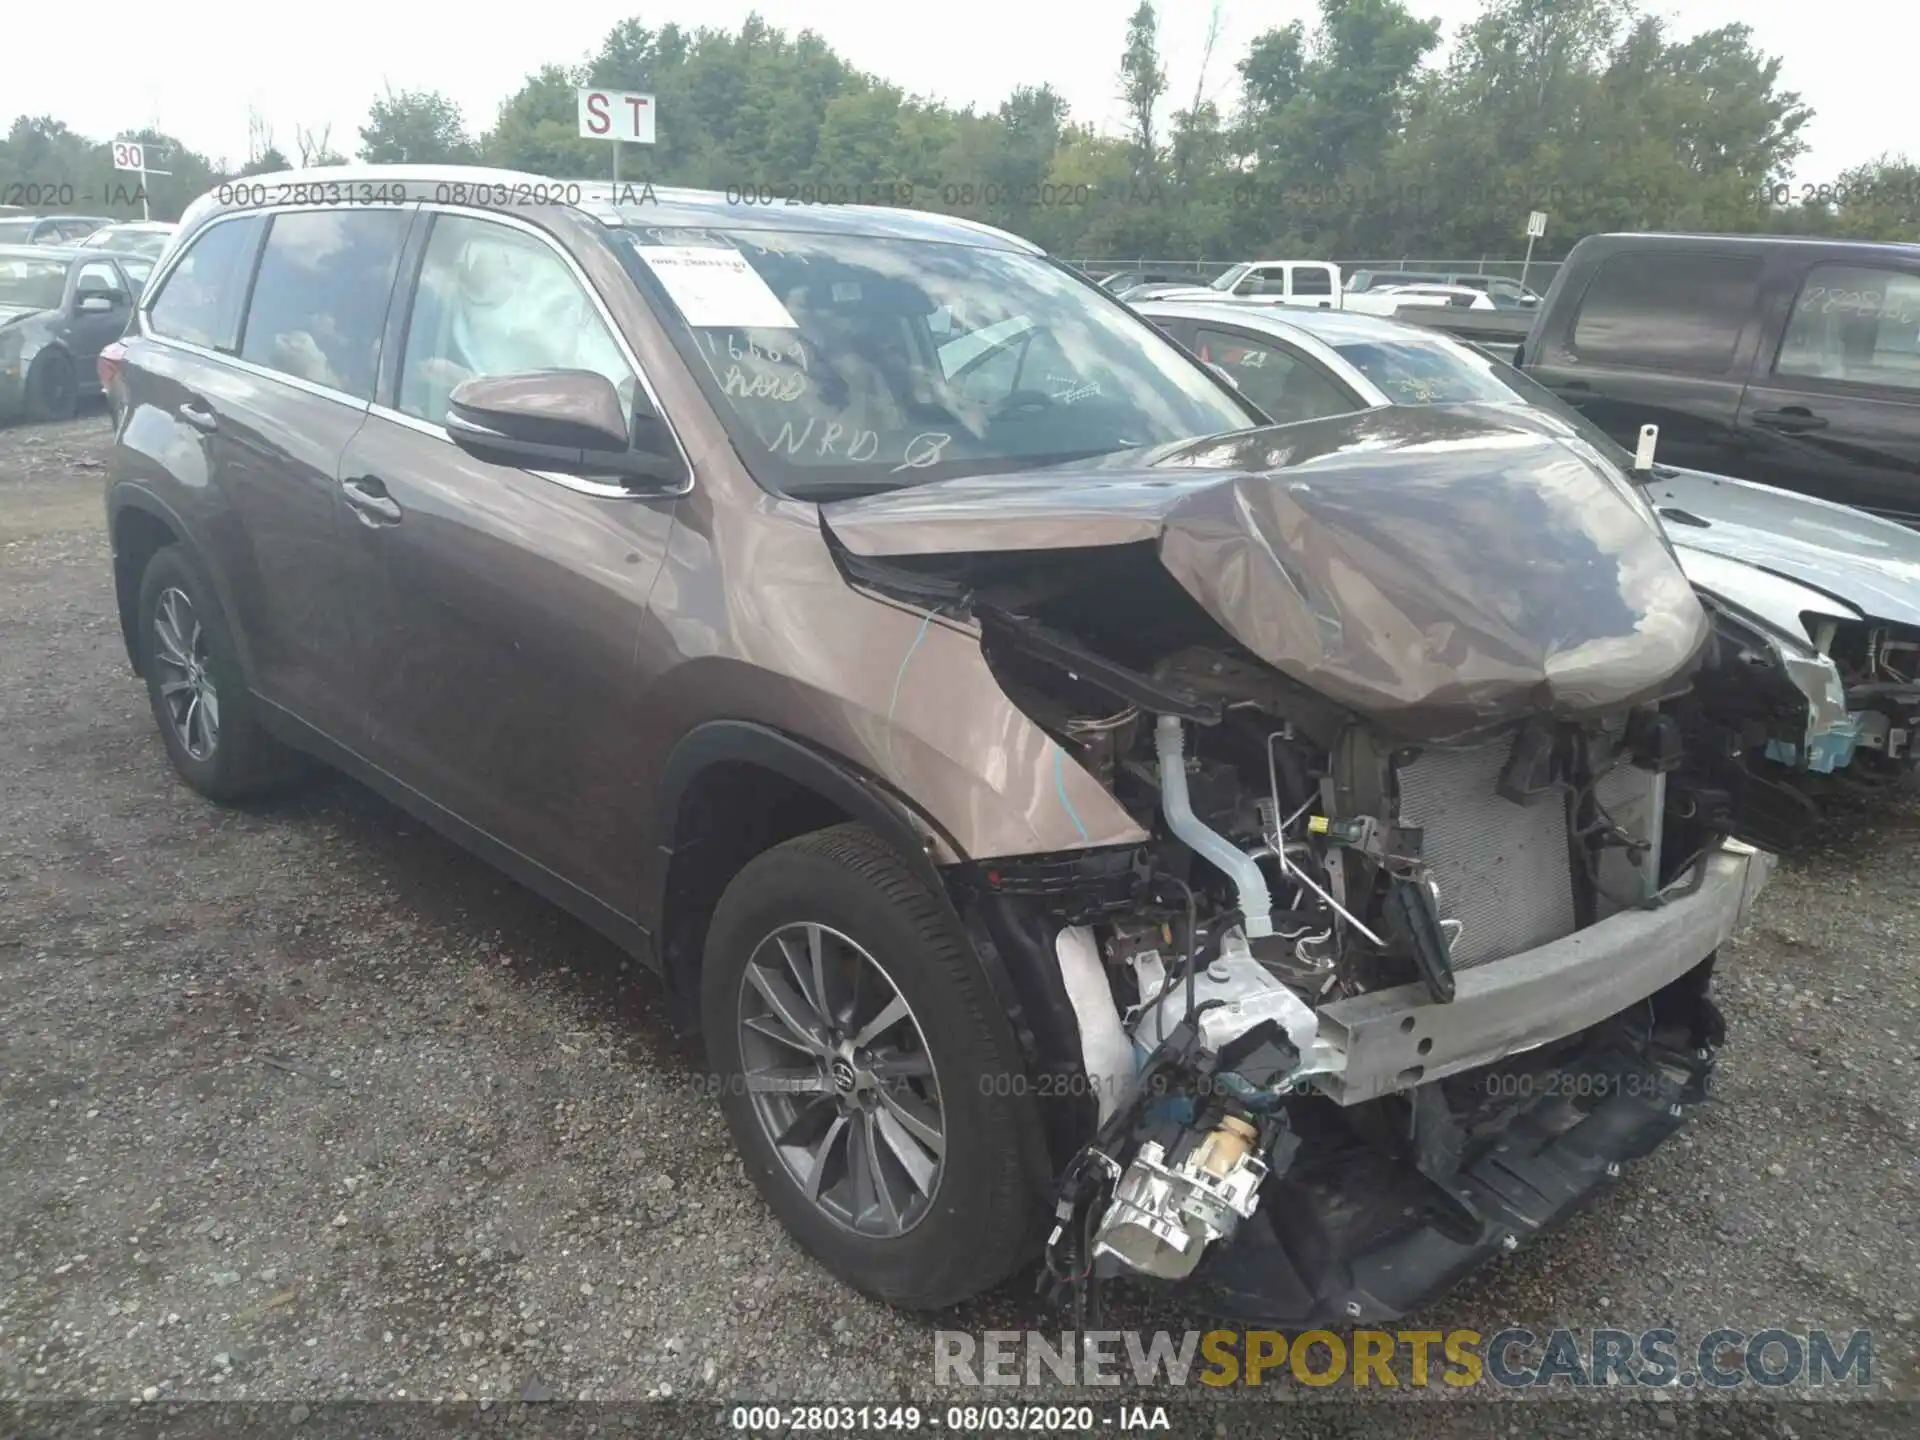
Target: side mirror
x,y
99,302
567,421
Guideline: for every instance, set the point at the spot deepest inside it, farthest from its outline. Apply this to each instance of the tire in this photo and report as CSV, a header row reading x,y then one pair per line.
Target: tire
x,y
224,754
978,1217
53,389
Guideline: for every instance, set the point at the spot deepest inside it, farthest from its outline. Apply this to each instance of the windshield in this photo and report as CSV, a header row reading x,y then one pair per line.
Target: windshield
x,y
842,364
16,232
32,284
1435,372
1412,372
1230,279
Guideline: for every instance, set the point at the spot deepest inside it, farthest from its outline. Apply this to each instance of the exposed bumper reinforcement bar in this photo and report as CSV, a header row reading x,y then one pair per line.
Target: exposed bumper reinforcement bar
x,y
1390,1040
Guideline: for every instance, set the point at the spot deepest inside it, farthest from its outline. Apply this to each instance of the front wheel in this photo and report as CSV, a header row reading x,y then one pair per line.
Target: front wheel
x,y
866,1071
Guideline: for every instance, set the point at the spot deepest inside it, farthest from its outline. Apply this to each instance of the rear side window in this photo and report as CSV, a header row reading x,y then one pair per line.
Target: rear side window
x,y
320,301
200,299
1308,281
1855,324
1667,309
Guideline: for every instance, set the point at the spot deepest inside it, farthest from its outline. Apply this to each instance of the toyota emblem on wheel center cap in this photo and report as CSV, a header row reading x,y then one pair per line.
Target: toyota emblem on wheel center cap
x,y
843,1076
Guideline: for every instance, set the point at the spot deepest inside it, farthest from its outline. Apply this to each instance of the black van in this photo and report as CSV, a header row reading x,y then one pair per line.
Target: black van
x,y
1793,362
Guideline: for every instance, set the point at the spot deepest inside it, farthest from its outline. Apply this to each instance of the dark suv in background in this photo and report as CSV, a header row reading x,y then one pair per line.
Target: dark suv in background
x,y
1787,361
930,668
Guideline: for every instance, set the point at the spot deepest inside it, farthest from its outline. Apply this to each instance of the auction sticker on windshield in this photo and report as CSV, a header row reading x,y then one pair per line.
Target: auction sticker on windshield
x,y
717,288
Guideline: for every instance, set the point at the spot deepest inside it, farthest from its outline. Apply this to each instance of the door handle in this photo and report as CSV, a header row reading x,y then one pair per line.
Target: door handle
x,y
200,419
1790,420
370,500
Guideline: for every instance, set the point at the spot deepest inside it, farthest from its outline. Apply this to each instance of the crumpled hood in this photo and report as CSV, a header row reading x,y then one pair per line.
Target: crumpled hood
x,y
1438,569
1870,563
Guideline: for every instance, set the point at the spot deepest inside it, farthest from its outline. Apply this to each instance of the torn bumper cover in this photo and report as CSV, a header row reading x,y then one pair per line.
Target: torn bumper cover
x,y
1389,1039
1374,1238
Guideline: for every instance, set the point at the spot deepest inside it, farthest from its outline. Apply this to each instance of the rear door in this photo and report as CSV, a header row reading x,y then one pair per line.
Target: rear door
x,y
273,407
1834,409
1661,336
503,607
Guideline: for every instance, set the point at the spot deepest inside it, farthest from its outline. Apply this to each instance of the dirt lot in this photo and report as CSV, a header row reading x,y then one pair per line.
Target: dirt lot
x,y
301,1102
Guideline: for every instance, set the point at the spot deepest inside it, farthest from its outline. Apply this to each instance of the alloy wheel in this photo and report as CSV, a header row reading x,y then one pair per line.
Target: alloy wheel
x,y
840,1078
184,678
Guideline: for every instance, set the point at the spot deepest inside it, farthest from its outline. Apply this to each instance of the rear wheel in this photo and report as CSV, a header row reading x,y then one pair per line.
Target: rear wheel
x,y
53,389
207,718
866,1071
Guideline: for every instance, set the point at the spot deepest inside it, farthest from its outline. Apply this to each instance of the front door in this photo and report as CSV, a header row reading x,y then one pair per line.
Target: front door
x,y
502,607
91,330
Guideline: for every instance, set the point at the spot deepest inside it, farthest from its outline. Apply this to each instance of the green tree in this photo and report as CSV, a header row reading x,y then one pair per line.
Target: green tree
x,y
416,127
1879,200
1142,82
269,161
537,129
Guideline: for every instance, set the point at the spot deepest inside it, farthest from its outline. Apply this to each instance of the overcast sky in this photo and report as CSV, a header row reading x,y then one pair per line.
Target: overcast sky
x,y
193,67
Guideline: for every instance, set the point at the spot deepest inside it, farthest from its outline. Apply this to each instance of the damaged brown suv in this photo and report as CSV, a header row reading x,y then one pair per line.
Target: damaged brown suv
x,y
1089,822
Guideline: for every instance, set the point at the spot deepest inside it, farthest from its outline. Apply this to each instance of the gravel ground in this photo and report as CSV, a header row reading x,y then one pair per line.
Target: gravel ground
x,y
300,1102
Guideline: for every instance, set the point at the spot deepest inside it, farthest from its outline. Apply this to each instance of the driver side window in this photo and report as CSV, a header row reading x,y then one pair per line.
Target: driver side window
x,y
1284,385
493,300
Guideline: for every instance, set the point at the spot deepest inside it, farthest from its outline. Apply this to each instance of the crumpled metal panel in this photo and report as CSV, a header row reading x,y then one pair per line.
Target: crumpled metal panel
x,y
1871,563
1438,569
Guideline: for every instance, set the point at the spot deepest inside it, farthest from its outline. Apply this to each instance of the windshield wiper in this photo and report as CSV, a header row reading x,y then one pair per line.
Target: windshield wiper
x,y
848,487
822,492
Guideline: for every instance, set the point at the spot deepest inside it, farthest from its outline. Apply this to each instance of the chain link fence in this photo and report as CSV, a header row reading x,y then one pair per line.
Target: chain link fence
x,y
1538,274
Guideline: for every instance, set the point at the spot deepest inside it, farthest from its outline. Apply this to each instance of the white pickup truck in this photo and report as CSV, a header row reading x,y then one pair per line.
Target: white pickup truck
x,y
1314,284
1390,299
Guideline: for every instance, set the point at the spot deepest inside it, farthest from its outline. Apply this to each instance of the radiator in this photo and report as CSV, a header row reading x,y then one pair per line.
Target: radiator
x,y
1503,869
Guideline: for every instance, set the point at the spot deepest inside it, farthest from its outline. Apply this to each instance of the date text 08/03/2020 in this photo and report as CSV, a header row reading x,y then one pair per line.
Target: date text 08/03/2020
x,y
846,1418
